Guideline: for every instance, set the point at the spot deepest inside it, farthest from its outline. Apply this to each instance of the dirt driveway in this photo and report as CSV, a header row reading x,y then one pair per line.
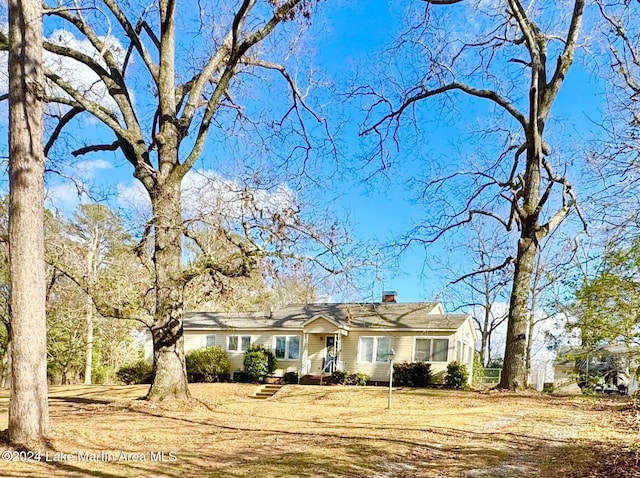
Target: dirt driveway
x,y
330,432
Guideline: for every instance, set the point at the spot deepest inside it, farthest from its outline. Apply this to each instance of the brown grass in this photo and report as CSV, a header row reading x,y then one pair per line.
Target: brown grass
x,y
333,432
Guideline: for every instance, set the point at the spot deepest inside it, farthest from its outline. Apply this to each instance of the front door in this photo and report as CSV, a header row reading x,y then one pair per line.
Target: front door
x,y
330,354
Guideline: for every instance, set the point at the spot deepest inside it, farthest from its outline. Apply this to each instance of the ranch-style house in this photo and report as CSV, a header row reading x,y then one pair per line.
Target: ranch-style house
x,y
322,337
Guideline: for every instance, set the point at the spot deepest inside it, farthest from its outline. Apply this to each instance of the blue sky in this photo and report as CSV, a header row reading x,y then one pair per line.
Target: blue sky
x,y
348,36
385,209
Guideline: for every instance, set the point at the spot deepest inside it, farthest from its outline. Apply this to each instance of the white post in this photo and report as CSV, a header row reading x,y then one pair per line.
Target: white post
x,y
391,354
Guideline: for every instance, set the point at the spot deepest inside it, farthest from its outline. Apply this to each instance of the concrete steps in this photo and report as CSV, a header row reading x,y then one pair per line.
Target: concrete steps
x,y
267,391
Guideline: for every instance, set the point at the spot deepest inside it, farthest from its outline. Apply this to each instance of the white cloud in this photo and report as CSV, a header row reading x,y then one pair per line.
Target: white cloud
x,y
88,169
205,193
78,75
65,196
134,197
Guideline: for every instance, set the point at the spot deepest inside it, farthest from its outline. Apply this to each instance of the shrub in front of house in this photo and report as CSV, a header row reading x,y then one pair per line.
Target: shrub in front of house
x,y
359,378
417,374
206,365
457,375
259,363
339,377
290,377
135,373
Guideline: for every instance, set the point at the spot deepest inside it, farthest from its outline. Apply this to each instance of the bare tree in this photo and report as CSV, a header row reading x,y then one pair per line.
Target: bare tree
x,y
488,283
519,187
96,240
615,157
185,105
28,409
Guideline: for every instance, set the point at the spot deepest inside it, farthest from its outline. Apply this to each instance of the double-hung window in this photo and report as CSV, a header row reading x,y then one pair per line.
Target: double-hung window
x,y
374,349
211,340
287,347
459,351
238,343
431,350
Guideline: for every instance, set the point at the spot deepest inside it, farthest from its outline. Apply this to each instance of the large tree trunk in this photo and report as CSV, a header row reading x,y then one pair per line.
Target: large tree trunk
x,y
168,342
514,368
28,409
514,371
170,378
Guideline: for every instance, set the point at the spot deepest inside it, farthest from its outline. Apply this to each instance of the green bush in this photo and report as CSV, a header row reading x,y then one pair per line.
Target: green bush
x,y
345,378
359,378
416,374
135,373
259,363
291,377
339,377
206,365
99,374
457,375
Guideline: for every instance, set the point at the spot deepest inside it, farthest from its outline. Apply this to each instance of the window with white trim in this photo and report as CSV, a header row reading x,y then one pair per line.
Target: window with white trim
x,y
431,350
469,360
211,340
459,352
287,347
374,349
238,343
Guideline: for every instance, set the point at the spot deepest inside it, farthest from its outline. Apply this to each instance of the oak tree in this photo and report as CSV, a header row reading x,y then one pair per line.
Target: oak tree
x,y
28,408
514,57
188,91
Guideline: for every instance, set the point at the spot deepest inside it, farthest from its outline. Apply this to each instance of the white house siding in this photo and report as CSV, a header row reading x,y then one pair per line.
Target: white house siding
x,y
320,326
316,331
317,345
197,339
401,342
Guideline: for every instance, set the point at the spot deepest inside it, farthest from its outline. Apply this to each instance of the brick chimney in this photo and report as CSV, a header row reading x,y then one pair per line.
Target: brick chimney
x,y
389,297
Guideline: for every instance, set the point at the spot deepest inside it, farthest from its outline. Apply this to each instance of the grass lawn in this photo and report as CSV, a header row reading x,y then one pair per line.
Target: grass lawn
x,y
332,432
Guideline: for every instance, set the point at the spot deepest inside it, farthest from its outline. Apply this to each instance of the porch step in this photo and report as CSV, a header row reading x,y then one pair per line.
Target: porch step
x,y
267,391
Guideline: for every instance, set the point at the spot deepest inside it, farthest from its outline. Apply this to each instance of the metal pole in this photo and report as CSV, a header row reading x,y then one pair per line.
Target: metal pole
x,y
390,379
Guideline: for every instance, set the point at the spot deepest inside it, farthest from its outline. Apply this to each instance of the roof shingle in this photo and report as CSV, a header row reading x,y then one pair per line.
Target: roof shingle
x,y
416,315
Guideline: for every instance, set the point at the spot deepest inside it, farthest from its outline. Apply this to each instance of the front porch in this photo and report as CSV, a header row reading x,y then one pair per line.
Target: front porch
x,y
322,347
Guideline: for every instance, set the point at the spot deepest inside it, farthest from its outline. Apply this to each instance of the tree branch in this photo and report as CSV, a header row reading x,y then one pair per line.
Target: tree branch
x,y
564,60
479,93
66,118
96,147
488,270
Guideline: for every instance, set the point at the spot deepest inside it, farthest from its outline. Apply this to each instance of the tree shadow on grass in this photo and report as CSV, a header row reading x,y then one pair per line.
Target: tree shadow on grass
x,y
322,447
81,400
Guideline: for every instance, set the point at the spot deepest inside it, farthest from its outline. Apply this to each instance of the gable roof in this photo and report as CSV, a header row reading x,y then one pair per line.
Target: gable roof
x,y
370,316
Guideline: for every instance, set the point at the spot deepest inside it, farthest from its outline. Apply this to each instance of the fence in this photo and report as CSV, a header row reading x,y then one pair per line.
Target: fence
x,y
491,375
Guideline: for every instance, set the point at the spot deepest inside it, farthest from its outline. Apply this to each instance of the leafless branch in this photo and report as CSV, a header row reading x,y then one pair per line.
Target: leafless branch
x,y
509,260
